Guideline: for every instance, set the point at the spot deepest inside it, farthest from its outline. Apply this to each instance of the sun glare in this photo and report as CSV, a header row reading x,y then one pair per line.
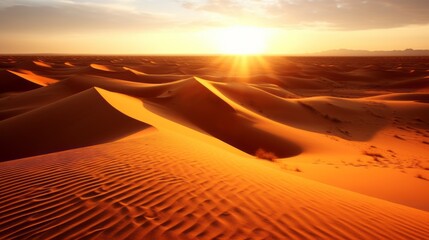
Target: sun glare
x,y
241,40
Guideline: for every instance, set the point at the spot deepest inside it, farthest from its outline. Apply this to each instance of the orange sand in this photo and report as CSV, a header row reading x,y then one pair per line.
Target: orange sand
x,y
164,148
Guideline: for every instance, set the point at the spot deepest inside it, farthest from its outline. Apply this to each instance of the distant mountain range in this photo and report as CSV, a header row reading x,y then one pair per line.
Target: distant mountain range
x,y
349,52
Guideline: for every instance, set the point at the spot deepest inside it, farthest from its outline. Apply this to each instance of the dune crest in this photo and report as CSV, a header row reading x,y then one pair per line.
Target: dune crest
x,y
172,147
83,119
12,82
101,67
418,97
37,79
42,64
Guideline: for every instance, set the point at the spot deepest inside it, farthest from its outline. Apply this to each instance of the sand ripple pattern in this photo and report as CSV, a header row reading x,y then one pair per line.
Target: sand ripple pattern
x,y
161,187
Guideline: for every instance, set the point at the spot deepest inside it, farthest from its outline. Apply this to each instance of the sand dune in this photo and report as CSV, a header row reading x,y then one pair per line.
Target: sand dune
x,y
176,148
418,97
20,103
80,120
164,188
37,79
12,82
42,64
322,114
275,90
194,102
69,64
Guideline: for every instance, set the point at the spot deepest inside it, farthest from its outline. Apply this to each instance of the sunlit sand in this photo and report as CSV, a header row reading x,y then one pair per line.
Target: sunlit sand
x,y
228,147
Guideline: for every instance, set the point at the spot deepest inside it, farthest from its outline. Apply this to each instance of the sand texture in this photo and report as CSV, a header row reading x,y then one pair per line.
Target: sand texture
x,y
214,148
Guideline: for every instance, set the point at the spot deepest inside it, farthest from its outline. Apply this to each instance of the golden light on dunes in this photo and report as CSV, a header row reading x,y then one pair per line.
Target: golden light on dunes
x,y
241,40
243,66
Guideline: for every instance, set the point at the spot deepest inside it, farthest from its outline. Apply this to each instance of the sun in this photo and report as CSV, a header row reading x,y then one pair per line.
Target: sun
x,y
241,40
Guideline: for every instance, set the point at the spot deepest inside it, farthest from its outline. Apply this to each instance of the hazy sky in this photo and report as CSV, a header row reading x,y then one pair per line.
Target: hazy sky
x,y
187,26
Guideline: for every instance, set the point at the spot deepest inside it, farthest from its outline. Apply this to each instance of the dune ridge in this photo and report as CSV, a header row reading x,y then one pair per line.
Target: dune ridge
x,y
83,119
418,97
37,79
117,147
11,82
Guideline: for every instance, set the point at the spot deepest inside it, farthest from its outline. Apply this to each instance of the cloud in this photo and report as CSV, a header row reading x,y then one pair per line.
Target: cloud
x,y
337,14
92,16
230,7
76,16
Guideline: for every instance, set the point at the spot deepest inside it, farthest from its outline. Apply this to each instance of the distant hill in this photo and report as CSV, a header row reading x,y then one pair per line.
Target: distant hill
x,y
348,52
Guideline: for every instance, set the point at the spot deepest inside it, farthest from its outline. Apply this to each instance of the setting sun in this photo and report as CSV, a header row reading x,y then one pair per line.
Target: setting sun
x,y
241,40
214,119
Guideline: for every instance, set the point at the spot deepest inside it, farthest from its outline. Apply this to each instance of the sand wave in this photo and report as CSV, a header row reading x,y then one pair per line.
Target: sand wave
x,y
172,148
164,188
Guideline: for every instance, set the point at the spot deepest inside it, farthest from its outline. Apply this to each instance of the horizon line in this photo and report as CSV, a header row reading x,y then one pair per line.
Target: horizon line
x,y
348,53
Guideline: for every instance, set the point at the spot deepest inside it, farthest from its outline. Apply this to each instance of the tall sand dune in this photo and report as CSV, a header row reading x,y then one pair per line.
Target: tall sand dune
x,y
173,147
80,120
201,107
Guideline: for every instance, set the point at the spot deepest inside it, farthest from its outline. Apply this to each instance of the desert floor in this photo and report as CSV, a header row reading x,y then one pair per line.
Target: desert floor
x,y
170,147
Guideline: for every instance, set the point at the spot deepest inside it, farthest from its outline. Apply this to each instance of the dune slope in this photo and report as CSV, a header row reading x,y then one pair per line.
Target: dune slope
x,y
83,119
10,82
200,106
139,147
173,187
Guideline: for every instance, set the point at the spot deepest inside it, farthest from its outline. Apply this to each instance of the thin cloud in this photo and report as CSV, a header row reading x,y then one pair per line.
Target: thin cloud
x,y
88,16
76,17
337,14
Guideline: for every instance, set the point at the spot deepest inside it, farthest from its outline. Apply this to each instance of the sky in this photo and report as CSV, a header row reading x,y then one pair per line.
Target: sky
x,y
194,26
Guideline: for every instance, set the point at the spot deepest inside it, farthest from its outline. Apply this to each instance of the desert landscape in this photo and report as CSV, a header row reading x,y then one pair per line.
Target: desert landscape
x,y
214,147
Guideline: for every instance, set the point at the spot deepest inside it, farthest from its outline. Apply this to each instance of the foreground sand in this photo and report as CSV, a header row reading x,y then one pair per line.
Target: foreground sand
x,y
163,148
165,186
